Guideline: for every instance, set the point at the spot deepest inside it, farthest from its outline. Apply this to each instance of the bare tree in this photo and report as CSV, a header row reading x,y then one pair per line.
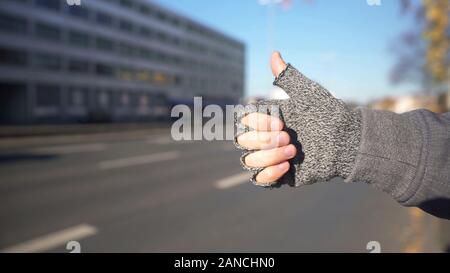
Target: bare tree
x,y
423,52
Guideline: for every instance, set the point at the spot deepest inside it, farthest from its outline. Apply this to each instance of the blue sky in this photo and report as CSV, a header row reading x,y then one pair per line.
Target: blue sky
x,y
341,44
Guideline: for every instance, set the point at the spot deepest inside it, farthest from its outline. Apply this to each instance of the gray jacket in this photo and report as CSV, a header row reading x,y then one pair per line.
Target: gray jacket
x,y
406,155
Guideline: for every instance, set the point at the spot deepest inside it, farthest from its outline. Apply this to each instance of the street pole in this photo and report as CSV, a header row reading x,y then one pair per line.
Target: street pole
x,y
271,26
271,12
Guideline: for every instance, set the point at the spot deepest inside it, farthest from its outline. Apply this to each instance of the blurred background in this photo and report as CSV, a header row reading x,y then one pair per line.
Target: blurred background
x,y
86,90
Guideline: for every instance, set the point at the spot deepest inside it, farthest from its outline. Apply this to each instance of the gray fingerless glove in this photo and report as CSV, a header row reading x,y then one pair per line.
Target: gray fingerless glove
x,y
324,129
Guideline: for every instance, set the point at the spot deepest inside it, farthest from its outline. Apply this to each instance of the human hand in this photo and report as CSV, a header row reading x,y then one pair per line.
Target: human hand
x,y
324,133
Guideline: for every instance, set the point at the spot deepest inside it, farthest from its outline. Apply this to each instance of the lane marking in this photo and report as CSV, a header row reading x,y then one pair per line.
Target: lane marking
x,y
72,149
53,240
138,160
232,181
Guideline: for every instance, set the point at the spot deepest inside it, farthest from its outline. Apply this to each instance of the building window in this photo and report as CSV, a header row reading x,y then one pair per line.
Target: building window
x,y
79,12
146,54
47,95
105,44
103,99
146,10
126,25
13,57
177,80
124,99
126,73
126,50
160,78
143,100
126,3
133,100
144,75
78,66
104,19
47,61
49,4
79,39
161,16
47,32
146,32
176,41
104,70
77,96
175,22
162,37
13,24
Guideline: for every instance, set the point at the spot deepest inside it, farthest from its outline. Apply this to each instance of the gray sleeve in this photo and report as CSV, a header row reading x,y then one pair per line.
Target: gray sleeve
x,y
408,156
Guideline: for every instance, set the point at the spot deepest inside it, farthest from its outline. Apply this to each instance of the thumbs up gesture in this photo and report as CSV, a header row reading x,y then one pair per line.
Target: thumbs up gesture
x,y
312,138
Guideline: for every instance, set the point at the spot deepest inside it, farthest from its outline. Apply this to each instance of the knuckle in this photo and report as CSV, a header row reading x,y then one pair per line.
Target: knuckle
x,y
279,154
264,138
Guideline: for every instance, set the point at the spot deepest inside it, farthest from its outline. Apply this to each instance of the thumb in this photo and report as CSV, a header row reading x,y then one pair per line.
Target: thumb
x,y
295,84
277,63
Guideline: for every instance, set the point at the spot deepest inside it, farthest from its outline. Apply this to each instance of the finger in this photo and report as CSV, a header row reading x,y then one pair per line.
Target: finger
x,y
271,174
259,140
262,122
271,157
277,63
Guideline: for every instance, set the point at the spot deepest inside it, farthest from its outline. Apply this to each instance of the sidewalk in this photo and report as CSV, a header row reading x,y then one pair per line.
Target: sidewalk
x,y
12,137
70,129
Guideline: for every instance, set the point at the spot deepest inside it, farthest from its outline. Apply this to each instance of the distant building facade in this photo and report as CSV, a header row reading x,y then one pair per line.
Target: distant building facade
x,y
112,60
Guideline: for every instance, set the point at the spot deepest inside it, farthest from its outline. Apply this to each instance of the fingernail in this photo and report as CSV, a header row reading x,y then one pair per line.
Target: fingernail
x,y
289,151
283,166
282,139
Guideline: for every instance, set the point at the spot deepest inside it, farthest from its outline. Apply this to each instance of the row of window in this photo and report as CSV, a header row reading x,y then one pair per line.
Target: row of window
x,y
50,95
105,19
150,11
19,25
56,63
53,62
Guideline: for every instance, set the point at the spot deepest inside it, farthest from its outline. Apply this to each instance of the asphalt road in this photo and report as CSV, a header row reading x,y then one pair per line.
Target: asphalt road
x,y
150,194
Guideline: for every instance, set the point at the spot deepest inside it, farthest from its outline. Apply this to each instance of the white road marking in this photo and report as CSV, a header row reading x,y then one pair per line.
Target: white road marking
x,y
72,149
232,181
138,160
53,240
